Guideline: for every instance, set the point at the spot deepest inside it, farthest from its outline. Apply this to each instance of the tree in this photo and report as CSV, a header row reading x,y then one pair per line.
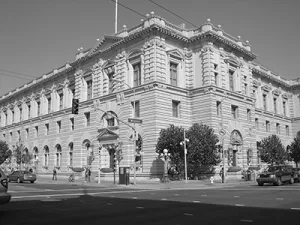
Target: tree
x,y
272,150
170,139
22,155
295,150
202,148
5,153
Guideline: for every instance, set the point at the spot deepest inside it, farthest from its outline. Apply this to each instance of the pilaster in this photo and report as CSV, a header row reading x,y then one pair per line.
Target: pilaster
x,y
188,73
207,57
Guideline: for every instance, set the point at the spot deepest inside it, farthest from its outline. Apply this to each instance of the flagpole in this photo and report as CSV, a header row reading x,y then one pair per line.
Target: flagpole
x,y
116,17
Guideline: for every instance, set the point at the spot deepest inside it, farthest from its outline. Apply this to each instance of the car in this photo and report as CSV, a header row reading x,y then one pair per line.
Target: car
x,y
296,174
4,196
21,176
276,175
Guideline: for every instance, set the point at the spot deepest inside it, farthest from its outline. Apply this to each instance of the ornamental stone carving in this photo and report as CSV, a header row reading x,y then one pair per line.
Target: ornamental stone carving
x,y
276,92
286,95
256,83
207,48
121,55
266,88
187,53
120,97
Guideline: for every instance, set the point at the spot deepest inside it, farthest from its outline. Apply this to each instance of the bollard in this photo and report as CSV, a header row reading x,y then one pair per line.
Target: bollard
x,y
211,180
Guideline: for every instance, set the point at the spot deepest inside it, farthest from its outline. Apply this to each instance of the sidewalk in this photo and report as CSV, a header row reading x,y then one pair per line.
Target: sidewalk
x,y
191,184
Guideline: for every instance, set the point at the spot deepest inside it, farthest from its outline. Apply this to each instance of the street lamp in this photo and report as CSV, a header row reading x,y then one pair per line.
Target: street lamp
x,y
134,131
185,153
36,165
165,156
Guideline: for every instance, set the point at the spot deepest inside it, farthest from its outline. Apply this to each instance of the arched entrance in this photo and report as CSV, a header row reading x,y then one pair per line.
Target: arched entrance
x,y
236,141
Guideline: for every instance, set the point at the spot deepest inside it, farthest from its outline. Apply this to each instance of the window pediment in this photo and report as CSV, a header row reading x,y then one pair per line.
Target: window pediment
x,y
175,53
266,88
276,92
256,83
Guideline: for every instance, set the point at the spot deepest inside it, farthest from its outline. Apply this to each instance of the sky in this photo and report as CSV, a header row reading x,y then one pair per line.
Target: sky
x,y
38,36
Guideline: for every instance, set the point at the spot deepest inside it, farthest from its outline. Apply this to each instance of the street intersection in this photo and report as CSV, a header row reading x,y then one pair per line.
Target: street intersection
x,y
61,203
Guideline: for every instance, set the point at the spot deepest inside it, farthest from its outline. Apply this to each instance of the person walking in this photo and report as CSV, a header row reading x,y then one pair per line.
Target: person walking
x,y
222,174
86,174
89,175
54,174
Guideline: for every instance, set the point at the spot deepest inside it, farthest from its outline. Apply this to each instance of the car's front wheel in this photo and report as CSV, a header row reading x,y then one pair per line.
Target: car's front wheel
x,y
19,180
260,184
32,182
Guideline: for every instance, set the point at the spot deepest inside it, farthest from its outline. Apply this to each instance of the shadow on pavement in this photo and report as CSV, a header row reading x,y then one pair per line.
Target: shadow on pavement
x,y
87,209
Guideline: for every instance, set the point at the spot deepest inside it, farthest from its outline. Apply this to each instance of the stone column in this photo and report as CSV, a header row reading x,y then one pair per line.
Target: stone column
x,y
188,73
78,84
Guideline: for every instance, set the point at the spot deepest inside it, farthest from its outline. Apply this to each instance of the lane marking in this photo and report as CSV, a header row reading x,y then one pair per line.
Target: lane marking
x,y
279,198
295,208
239,205
176,194
134,197
247,221
59,190
109,203
203,195
236,196
152,193
196,201
188,214
140,207
164,199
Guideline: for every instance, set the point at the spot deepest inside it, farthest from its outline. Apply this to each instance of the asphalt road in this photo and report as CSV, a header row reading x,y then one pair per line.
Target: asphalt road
x,y
67,204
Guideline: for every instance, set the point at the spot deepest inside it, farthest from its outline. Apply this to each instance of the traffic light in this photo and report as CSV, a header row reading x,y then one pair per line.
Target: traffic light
x,y
75,106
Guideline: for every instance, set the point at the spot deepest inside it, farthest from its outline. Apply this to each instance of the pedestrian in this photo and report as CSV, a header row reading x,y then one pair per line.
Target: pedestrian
x,y
89,175
86,174
54,174
222,174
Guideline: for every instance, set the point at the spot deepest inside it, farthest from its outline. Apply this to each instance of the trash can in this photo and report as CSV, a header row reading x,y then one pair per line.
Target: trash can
x,y
124,175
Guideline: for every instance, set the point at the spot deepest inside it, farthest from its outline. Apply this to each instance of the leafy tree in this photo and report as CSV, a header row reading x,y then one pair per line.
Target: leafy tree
x,y
295,150
202,148
22,155
5,153
272,150
170,139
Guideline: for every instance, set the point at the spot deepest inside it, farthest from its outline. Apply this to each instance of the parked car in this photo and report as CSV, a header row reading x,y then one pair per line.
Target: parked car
x,y
276,175
4,196
296,174
22,175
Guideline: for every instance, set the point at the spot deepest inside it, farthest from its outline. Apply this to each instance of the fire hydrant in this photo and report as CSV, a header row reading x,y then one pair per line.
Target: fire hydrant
x,y
212,180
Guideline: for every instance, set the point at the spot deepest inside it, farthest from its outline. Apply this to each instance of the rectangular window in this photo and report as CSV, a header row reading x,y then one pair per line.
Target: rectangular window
x,y
10,136
231,84
61,101
89,89
248,114
234,111
29,108
87,119
219,108
58,126
277,128
217,79
72,123
19,134
265,101
284,108
110,122
38,103
175,108
49,104
12,116
20,113
275,105
173,73
71,158
287,130
110,82
246,89
256,124
27,133
136,109
268,129
36,131
47,128
137,77
254,94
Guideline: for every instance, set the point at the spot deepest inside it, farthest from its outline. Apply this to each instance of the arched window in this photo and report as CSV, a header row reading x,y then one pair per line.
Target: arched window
x,y
58,155
46,154
135,64
71,154
109,119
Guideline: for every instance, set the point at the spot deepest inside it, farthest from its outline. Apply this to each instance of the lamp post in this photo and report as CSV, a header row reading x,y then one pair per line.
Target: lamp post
x,y
134,131
165,156
37,165
185,153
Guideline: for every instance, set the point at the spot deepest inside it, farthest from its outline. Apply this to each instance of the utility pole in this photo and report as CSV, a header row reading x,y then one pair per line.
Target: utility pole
x,y
116,17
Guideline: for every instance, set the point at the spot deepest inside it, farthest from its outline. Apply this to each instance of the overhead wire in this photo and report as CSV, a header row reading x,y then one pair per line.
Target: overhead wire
x,y
22,74
128,8
11,75
173,13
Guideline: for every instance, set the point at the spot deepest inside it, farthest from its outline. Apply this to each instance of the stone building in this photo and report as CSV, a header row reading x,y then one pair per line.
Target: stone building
x,y
162,74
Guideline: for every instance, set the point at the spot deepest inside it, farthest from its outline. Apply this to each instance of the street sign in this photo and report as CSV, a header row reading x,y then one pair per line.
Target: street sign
x,y
131,120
